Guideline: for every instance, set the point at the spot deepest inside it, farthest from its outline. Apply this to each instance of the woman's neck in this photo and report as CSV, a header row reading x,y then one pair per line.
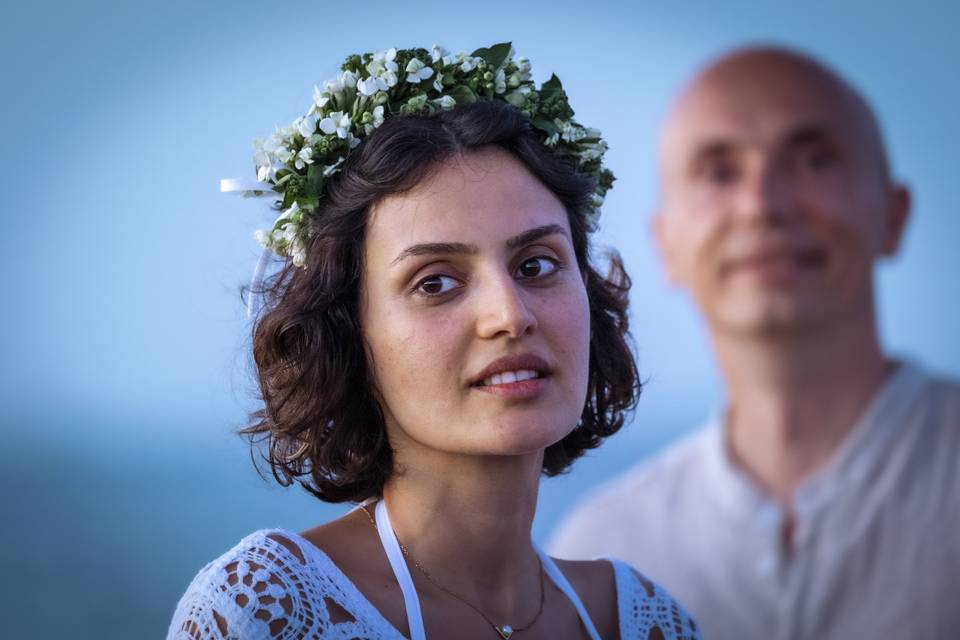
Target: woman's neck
x,y
467,520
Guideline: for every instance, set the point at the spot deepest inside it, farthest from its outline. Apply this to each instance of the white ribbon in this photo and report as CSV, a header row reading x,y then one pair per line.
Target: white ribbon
x,y
247,186
255,188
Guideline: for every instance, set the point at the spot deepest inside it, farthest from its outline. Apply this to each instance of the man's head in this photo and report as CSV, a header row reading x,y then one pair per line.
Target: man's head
x,y
776,195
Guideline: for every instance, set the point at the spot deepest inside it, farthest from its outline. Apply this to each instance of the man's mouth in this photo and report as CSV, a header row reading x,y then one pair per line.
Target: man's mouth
x,y
778,265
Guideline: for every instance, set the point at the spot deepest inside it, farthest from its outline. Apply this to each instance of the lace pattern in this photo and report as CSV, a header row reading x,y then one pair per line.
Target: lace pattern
x,y
648,612
263,589
275,586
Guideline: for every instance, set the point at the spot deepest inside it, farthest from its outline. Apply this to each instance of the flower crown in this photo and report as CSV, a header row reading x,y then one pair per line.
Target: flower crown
x,y
296,162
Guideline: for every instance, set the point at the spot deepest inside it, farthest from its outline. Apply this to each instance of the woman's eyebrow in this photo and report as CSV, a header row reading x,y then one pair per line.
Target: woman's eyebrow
x,y
535,234
459,248
434,248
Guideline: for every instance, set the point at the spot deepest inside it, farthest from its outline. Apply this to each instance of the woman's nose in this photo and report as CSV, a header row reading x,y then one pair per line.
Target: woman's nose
x,y
502,309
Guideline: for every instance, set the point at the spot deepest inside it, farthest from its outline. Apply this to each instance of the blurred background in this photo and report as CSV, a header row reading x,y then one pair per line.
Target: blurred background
x,y
124,341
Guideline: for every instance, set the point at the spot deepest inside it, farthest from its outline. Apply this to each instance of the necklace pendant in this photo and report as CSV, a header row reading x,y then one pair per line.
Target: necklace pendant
x,y
505,631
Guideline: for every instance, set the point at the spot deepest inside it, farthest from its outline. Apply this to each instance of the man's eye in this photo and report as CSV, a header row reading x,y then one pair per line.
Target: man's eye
x,y
436,285
721,173
537,267
821,158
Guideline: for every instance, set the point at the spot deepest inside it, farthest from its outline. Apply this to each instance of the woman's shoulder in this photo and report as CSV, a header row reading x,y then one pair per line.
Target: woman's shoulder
x,y
623,602
645,608
271,584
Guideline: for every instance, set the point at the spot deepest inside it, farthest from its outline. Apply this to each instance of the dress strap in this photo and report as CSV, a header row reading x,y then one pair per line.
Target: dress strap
x,y
400,570
564,585
412,602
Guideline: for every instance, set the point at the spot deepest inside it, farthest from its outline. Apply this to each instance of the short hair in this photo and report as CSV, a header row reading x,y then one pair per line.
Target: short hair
x,y
320,423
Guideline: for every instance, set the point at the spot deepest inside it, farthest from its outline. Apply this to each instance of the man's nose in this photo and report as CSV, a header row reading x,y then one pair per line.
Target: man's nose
x,y
502,310
764,197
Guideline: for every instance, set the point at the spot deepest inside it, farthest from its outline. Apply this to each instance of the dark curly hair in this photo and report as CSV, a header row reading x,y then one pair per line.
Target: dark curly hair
x,y
320,424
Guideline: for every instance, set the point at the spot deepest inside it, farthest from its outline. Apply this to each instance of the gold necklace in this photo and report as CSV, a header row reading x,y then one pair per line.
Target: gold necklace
x,y
504,630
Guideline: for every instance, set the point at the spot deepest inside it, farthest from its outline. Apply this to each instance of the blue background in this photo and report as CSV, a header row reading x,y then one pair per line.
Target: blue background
x,y
123,335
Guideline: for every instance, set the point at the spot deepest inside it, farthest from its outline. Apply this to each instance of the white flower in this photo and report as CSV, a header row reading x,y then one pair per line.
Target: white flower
x,y
346,82
320,99
500,82
523,68
304,157
552,140
267,172
264,161
384,67
438,53
416,71
385,59
438,82
299,255
336,121
370,86
446,102
469,63
353,142
592,151
262,237
377,120
307,125
571,132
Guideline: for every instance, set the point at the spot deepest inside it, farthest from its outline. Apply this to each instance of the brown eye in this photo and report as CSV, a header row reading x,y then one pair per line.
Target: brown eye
x,y
537,267
436,285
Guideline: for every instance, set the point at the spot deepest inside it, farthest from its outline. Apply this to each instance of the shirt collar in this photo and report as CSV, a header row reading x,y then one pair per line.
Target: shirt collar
x,y
735,494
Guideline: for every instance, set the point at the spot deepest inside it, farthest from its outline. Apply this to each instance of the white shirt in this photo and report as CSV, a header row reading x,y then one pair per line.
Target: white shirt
x,y
876,539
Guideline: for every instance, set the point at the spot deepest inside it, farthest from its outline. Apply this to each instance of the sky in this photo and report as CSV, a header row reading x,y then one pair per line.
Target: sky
x,y
123,333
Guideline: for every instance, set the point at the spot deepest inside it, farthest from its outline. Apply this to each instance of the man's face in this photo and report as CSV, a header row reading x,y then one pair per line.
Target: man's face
x,y
776,201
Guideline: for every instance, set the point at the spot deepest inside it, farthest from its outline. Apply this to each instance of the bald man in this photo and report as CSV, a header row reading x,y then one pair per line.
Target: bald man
x,y
823,501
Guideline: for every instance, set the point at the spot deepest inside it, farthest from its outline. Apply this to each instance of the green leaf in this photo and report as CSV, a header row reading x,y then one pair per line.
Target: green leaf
x,y
308,204
495,55
545,124
551,88
314,181
462,94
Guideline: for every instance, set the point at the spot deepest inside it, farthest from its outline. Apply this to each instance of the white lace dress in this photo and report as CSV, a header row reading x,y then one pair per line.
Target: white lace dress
x,y
262,589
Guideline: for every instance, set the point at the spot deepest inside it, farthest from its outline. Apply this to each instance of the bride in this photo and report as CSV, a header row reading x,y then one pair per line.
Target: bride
x,y
436,342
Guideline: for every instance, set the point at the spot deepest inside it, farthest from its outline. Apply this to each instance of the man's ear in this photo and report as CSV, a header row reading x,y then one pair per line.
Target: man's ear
x,y
897,217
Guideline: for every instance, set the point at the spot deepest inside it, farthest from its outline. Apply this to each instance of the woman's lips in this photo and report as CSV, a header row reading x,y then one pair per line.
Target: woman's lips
x,y
518,390
514,377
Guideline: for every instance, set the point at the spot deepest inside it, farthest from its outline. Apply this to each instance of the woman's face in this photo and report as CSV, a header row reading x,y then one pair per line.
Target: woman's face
x,y
475,312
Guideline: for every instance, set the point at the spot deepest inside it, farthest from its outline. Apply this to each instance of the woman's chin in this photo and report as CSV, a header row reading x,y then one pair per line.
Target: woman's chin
x,y
522,439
